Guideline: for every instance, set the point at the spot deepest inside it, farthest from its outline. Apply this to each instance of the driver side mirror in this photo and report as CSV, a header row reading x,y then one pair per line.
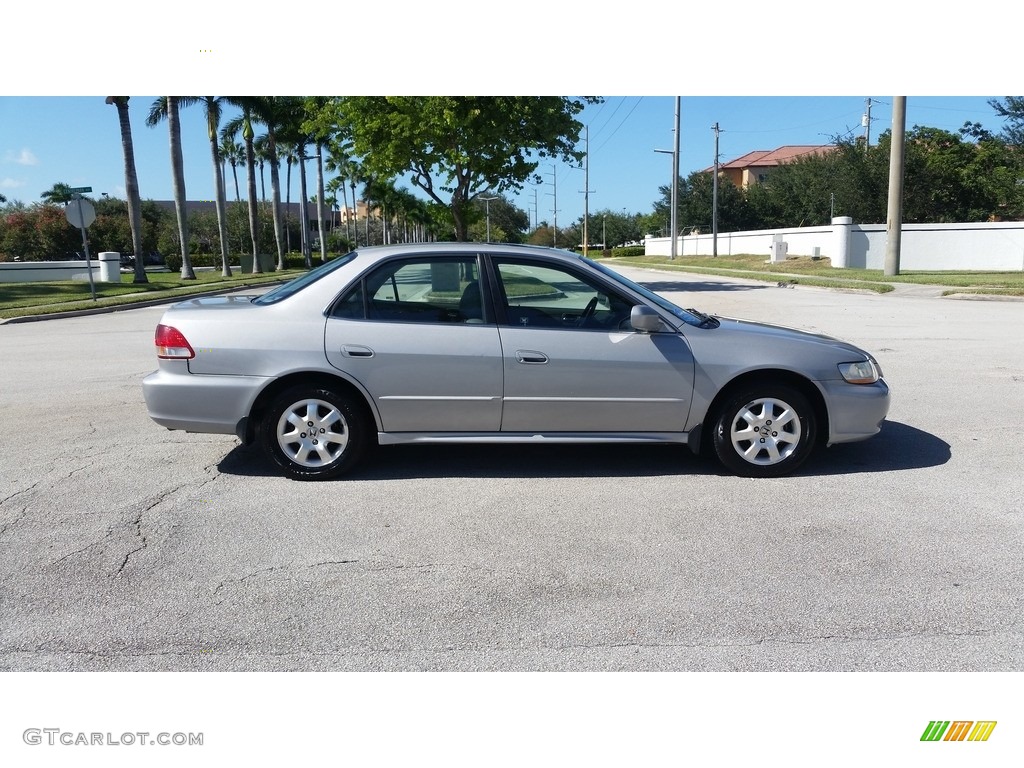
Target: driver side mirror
x,y
645,319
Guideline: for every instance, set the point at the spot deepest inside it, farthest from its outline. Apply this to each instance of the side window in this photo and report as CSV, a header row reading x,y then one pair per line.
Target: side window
x,y
544,297
437,290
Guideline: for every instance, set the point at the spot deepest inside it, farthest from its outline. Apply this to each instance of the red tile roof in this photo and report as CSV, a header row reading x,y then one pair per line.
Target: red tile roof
x,y
764,157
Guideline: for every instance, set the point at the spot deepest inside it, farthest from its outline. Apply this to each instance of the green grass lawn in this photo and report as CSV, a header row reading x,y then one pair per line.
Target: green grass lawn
x,y
803,270
22,299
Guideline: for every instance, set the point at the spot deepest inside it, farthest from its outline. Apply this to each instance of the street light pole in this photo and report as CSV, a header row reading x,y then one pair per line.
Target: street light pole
x,y
673,214
714,199
487,203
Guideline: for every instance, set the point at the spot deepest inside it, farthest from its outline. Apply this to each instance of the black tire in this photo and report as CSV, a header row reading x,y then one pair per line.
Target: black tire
x,y
765,431
332,440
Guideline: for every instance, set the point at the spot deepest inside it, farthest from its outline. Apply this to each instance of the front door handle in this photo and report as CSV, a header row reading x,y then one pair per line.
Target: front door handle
x,y
529,357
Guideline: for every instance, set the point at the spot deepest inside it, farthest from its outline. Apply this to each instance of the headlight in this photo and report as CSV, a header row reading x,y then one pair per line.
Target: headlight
x,y
862,372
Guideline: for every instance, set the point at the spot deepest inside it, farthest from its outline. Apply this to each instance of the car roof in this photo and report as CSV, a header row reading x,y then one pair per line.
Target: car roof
x,y
379,252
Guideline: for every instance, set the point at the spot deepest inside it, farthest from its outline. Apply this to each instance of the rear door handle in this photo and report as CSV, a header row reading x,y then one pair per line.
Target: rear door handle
x,y
352,350
529,357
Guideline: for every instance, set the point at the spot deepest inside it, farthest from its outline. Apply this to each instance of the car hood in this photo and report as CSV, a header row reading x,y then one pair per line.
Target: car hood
x,y
779,334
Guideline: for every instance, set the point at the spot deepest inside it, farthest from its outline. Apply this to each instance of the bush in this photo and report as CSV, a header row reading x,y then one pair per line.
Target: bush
x,y
628,251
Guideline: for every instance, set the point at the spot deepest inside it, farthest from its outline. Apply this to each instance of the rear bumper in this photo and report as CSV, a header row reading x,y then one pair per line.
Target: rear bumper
x,y
855,411
200,403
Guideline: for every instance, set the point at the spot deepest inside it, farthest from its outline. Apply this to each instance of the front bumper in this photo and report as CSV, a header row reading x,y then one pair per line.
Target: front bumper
x,y
855,411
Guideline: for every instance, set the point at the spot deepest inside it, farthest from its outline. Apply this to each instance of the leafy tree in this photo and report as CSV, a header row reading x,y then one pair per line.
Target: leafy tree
x,y
1011,108
457,148
18,236
54,237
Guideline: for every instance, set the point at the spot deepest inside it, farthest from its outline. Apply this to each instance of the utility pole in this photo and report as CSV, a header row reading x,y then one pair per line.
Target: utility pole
x,y
714,199
554,205
675,187
867,125
894,219
586,191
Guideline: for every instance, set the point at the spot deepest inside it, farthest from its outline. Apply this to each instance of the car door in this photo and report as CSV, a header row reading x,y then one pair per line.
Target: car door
x,y
572,361
416,334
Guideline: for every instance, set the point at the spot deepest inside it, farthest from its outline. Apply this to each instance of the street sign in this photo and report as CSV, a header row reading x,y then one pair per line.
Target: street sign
x,y
80,213
79,190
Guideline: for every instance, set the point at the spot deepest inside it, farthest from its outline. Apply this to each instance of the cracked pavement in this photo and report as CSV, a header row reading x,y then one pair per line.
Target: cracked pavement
x,y
126,547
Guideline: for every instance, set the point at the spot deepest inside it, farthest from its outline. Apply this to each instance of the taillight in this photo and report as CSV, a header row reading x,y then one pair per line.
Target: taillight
x,y
171,344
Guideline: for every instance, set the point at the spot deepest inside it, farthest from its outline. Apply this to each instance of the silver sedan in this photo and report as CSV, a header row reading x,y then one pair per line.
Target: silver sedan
x,y
471,342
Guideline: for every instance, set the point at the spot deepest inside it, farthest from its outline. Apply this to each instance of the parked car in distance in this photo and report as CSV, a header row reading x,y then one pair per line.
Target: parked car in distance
x,y
489,343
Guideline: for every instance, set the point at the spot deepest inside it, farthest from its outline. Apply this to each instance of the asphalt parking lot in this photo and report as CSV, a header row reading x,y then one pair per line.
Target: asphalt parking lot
x,y
124,546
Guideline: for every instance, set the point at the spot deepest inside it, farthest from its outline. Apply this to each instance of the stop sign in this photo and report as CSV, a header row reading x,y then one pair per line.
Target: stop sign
x,y
80,213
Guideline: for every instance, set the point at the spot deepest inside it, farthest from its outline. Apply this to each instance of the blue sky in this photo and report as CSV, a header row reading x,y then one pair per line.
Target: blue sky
x,y
797,73
76,140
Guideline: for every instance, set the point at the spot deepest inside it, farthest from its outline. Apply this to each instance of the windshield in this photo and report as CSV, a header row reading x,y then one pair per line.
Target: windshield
x,y
294,286
688,316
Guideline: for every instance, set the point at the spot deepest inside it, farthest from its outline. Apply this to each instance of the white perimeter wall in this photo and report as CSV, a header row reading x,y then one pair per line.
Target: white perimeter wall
x,y
996,246
106,268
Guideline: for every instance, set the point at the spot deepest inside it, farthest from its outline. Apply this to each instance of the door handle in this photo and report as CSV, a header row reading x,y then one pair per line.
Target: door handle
x,y
530,357
352,350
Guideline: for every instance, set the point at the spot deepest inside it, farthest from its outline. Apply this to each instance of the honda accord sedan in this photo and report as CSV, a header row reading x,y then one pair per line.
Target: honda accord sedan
x,y
485,343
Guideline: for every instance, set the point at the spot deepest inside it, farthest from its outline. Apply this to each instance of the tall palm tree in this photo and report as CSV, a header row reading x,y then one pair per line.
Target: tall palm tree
x,y
212,111
259,146
288,153
338,161
232,152
243,124
311,107
167,106
279,115
131,186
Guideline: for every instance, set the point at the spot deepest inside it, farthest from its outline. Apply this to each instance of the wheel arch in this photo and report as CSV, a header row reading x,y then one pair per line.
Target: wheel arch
x,y
248,427
767,376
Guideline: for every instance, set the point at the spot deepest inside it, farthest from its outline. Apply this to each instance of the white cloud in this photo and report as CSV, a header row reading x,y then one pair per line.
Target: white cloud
x,y
24,157
9,183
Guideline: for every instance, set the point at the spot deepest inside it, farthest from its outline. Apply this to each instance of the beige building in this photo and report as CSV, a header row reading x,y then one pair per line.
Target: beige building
x,y
754,167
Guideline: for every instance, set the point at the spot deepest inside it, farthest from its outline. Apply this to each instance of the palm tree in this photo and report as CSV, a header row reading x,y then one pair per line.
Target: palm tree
x,y
212,105
243,124
59,193
289,154
131,186
233,153
167,106
339,162
311,107
259,146
279,115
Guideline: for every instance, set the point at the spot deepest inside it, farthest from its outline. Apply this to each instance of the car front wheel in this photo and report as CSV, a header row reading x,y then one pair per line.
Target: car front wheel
x,y
314,433
765,431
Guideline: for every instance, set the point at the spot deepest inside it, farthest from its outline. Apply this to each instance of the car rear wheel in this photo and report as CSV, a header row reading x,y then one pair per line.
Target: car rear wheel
x,y
765,431
314,433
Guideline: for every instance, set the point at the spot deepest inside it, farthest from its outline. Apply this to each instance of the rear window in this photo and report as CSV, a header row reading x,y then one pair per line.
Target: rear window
x,y
292,287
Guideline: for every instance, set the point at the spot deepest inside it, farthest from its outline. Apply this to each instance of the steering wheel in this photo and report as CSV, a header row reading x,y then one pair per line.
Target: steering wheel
x,y
587,312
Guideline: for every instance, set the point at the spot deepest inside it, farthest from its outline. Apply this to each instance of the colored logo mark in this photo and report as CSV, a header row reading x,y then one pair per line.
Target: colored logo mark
x,y
958,730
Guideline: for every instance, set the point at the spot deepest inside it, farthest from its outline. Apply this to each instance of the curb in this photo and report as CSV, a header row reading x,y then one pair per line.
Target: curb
x,y
132,305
